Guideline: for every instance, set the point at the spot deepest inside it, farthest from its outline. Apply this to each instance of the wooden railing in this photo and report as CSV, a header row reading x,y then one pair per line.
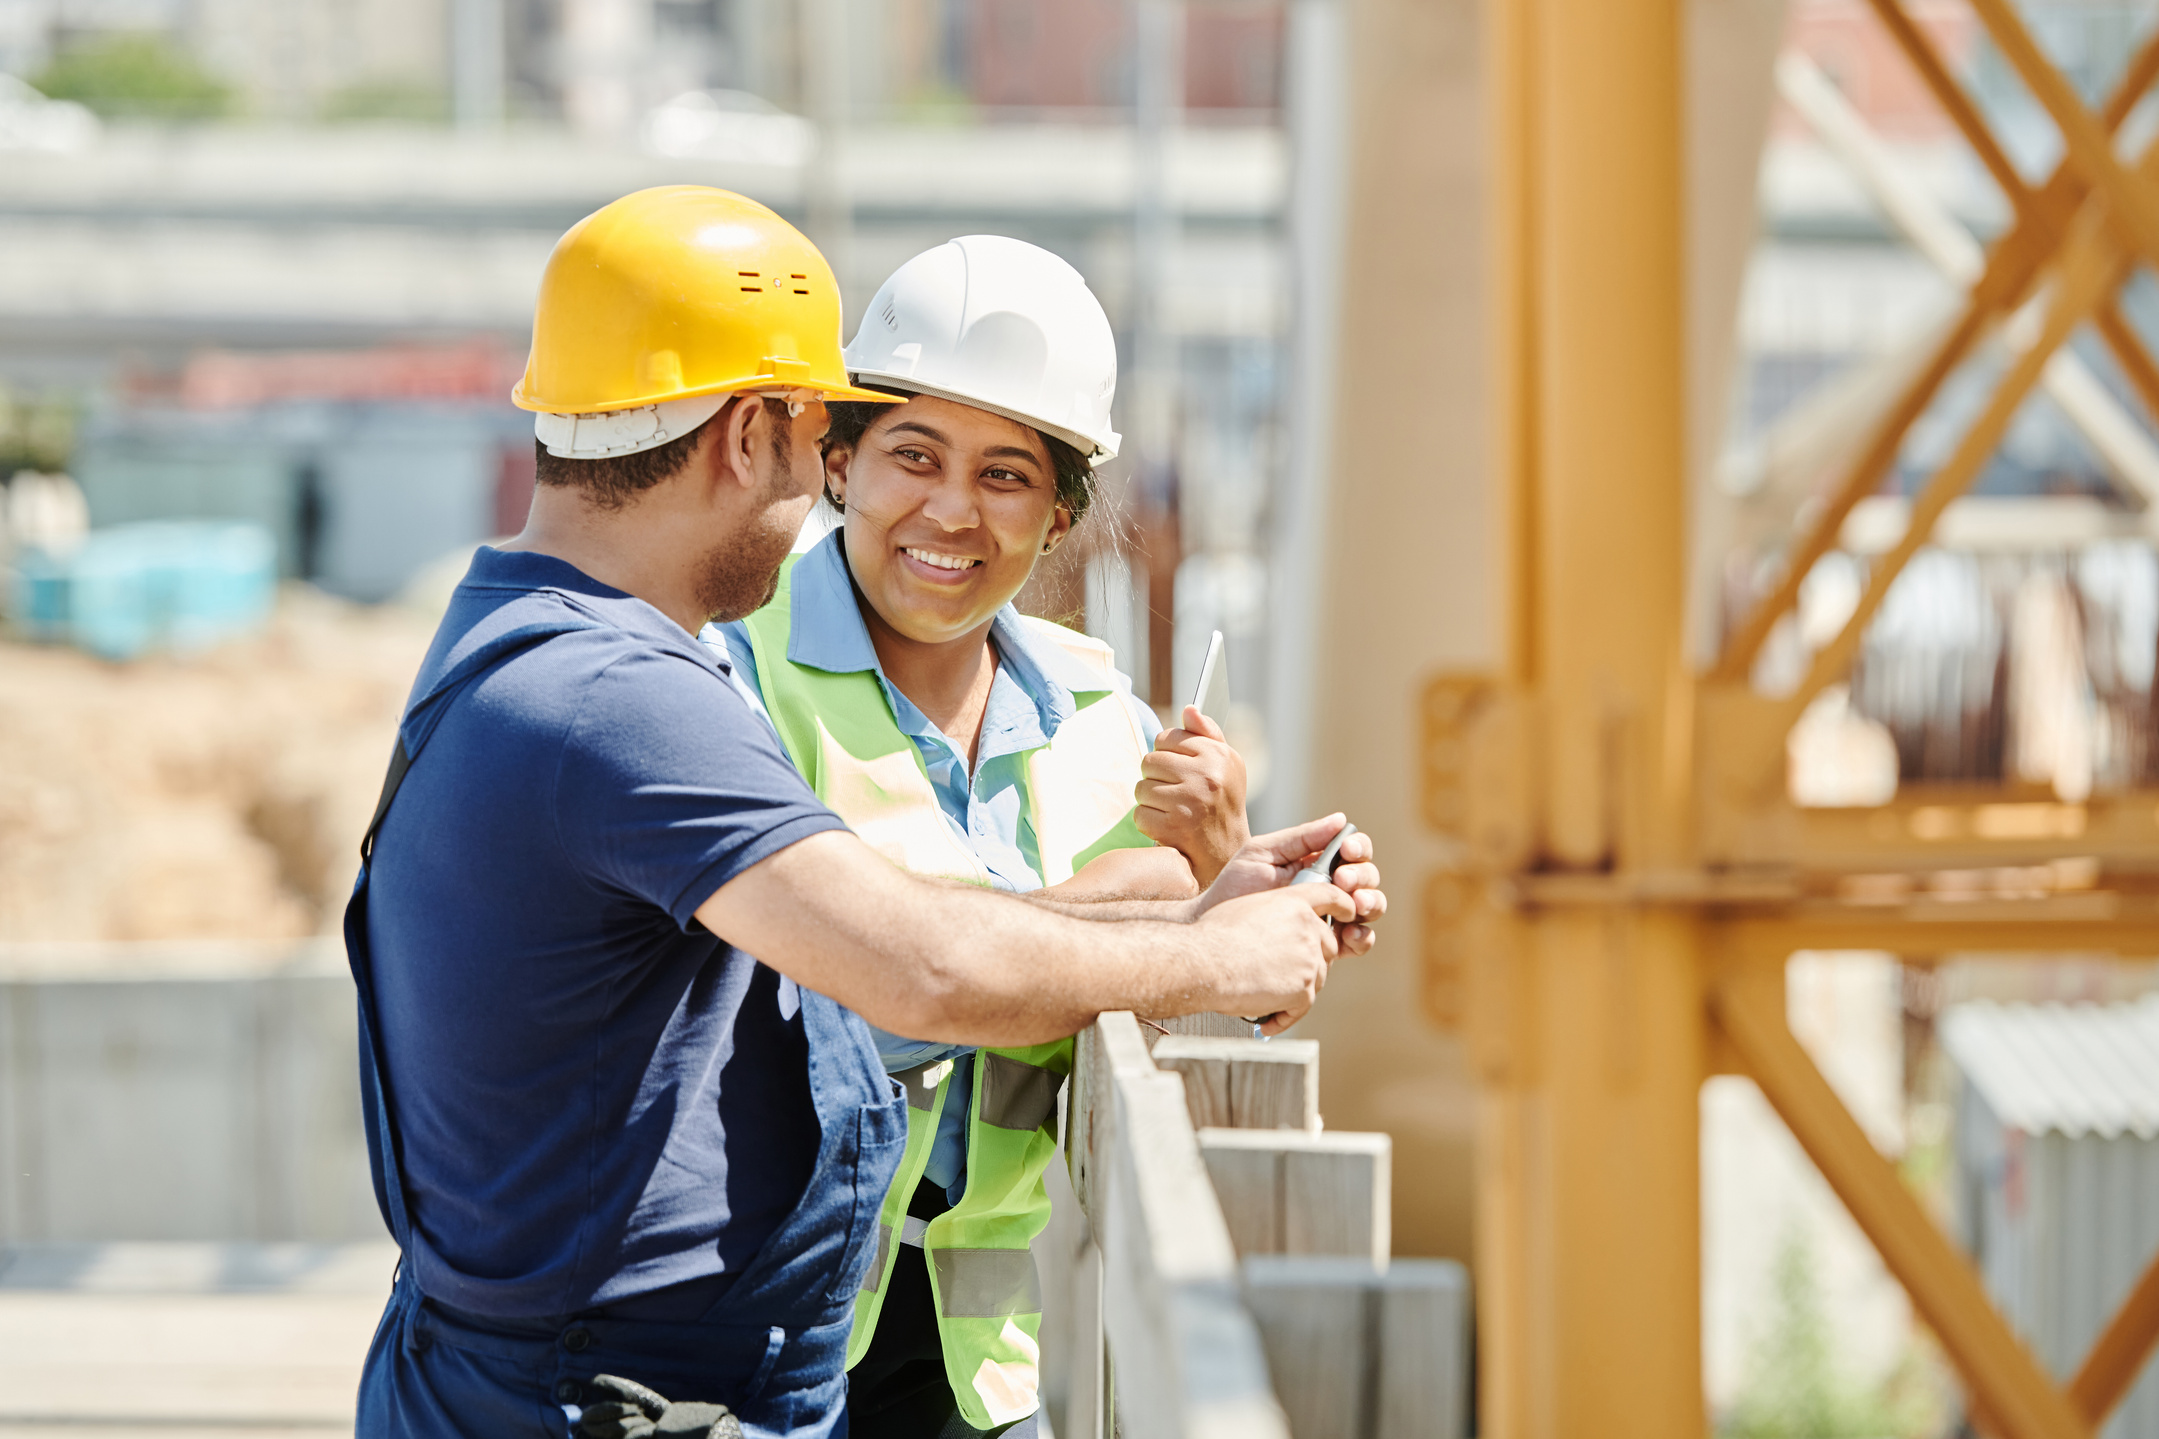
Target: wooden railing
x,y
1232,1279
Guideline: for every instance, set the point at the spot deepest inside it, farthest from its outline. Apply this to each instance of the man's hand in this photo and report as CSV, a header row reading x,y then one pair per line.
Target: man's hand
x,y
1269,861
625,1409
1191,795
1284,941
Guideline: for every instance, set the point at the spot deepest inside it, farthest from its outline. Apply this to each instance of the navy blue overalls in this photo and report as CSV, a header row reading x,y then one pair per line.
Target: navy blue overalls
x,y
772,1348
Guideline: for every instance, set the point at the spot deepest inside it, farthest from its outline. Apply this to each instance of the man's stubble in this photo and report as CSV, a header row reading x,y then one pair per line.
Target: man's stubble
x,y
742,573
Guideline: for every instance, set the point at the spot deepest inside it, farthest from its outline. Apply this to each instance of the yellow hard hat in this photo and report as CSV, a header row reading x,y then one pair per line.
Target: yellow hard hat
x,y
675,293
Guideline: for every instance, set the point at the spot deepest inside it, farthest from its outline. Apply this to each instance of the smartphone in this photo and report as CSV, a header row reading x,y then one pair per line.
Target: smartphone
x,y
1211,696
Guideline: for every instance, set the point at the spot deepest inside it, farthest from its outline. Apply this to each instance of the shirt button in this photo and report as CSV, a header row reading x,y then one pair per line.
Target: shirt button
x,y
577,1339
569,1391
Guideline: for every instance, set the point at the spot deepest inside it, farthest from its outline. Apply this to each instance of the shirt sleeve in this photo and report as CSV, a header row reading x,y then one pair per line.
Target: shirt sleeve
x,y
670,786
1143,715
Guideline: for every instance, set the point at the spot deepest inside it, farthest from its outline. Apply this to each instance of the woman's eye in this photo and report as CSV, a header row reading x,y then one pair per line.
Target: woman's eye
x,y
1008,476
913,456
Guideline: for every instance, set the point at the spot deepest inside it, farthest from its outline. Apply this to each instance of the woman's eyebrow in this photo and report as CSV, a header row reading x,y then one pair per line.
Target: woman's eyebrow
x,y
1017,452
918,428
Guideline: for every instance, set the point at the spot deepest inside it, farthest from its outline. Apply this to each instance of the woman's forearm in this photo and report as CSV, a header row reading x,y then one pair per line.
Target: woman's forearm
x,y
1152,873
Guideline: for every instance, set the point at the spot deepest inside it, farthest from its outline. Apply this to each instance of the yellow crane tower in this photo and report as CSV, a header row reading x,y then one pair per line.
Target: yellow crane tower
x,y
1623,874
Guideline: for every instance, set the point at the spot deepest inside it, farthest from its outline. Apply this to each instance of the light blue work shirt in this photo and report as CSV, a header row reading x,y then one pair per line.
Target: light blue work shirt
x,y
1030,697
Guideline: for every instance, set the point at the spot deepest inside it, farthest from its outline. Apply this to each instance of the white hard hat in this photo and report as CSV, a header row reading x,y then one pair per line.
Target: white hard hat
x,y
999,324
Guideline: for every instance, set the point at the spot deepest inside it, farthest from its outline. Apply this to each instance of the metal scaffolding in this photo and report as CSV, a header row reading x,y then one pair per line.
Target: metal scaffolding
x,y
1628,874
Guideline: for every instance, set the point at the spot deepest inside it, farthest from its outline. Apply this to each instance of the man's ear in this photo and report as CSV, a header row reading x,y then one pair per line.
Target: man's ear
x,y
734,439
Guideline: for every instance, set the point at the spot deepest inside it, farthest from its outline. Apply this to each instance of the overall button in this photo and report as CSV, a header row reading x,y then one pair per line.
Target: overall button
x,y
577,1339
569,1391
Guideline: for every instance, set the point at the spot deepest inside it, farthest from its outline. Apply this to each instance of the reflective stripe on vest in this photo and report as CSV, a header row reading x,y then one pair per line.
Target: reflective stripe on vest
x,y
839,730
986,1283
1016,1095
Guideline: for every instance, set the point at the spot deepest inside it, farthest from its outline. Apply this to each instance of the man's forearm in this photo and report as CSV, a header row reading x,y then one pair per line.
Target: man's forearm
x,y
954,962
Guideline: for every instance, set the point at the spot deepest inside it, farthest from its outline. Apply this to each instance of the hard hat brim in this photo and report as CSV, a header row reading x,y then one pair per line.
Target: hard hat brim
x,y
1098,451
523,401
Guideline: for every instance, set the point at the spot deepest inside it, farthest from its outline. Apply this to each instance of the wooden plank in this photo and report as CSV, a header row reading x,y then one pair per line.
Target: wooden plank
x,y
1360,1352
1087,1396
1291,1192
1186,1353
1245,1083
1248,1184
1203,1026
1424,1326
1313,1319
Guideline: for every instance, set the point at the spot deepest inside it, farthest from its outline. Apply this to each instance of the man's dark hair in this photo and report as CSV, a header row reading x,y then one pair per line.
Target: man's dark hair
x,y
851,420
613,482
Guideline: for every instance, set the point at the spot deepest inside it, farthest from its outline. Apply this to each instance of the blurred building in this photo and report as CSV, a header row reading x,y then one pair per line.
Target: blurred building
x,y
305,60
2058,1170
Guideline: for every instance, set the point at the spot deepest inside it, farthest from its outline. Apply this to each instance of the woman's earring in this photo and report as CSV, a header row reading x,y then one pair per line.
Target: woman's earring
x,y
1048,545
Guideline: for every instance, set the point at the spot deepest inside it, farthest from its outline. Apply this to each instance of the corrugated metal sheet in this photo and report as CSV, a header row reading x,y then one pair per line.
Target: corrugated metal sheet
x,y
2057,1173
2069,1069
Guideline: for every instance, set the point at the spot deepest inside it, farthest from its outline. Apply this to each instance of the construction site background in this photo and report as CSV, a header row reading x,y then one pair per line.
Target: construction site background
x,y
269,264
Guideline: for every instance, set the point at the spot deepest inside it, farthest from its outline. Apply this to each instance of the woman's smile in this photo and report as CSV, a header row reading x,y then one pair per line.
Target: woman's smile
x,y
939,566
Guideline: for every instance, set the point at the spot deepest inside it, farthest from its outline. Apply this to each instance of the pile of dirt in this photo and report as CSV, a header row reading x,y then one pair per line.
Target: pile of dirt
x,y
215,796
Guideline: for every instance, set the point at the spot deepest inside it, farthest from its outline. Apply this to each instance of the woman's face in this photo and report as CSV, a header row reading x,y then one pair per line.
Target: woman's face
x,y
947,510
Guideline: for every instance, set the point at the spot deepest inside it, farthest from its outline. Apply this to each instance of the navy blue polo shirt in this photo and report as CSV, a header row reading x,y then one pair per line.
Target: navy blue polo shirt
x,y
595,1097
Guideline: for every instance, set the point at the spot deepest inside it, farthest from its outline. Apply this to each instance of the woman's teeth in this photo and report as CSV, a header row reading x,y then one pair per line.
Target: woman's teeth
x,y
942,562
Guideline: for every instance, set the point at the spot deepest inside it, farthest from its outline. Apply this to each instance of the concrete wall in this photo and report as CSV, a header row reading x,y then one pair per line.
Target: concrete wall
x,y
1411,574
191,1108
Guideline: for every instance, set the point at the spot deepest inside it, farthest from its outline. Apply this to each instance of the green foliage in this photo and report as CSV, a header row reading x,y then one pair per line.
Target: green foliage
x,y
35,434
940,103
1795,1387
134,76
405,100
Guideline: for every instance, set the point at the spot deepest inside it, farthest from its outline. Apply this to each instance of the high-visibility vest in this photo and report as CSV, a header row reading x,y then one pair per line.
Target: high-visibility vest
x,y
840,732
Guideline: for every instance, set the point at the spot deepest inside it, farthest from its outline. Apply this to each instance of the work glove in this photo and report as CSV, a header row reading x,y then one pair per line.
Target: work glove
x,y
626,1409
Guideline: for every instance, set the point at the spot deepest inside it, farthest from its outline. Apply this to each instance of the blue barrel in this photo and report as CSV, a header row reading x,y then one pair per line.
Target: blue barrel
x,y
181,585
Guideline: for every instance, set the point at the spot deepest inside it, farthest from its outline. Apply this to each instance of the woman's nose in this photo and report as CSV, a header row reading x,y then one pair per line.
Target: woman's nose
x,y
951,507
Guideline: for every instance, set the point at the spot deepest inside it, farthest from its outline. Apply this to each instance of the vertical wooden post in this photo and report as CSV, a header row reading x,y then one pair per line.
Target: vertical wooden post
x,y
1286,1192
1360,1352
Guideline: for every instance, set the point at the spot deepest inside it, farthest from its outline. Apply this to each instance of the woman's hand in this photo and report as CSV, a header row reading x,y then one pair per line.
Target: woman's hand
x,y
1191,795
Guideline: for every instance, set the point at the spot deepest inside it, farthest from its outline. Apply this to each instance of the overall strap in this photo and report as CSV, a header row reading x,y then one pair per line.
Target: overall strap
x,y
389,1180
420,720
400,762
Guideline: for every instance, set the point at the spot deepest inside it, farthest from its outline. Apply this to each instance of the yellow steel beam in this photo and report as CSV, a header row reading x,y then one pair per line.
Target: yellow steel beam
x,y
2089,271
1951,97
1587,1027
2012,266
2091,147
2103,1379
1936,827
1998,1370
2129,352
2068,926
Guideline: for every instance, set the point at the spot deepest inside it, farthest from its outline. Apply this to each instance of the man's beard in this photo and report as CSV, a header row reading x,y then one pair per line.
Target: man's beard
x,y
742,573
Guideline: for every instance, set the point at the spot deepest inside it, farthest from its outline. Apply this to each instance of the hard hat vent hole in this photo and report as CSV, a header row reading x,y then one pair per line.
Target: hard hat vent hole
x,y
750,275
802,283
890,316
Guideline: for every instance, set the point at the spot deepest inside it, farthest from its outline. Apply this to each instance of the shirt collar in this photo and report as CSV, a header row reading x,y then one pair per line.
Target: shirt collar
x,y
495,573
826,631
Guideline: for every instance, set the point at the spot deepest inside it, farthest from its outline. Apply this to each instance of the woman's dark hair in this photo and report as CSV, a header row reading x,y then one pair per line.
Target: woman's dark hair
x,y
851,420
